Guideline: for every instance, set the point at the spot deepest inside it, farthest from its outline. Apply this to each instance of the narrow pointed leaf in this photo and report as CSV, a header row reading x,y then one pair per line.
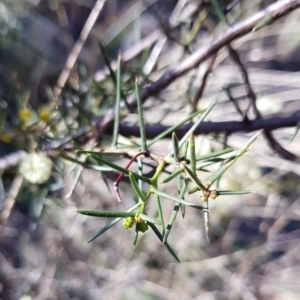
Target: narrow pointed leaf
x,y
141,115
99,168
159,235
172,175
214,154
150,220
118,102
219,11
206,221
177,199
296,132
199,121
174,212
103,153
231,161
192,153
70,158
111,224
234,192
210,162
118,168
185,149
107,62
136,235
194,190
175,147
171,129
135,186
194,177
160,213
108,214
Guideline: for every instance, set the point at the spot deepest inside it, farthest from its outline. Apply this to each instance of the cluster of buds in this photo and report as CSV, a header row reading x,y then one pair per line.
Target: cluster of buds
x,y
128,222
141,225
209,194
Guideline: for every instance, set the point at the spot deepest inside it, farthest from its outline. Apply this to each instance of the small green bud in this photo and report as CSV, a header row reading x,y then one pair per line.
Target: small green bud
x,y
142,226
128,222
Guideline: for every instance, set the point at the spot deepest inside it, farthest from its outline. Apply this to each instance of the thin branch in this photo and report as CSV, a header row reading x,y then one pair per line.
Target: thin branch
x,y
215,127
11,198
274,144
148,41
203,83
276,10
276,122
73,56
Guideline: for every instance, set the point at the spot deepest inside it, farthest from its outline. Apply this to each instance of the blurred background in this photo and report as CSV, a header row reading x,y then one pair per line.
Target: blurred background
x,y
254,248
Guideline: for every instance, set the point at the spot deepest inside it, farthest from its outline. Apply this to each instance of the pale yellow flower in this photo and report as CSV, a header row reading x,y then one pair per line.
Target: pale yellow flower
x,y
6,137
25,115
44,114
36,167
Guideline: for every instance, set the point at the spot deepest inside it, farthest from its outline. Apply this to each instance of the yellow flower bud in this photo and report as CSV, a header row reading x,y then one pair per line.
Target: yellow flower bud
x,y
128,222
213,194
6,137
204,198
25,115
44,114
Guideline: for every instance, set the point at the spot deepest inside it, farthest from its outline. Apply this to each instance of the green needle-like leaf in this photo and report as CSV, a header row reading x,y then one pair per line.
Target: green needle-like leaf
x,y
210,162
141,115
171,129
177,199
118,168
179,182
172,175
185,149
160,213
136,235
192,153
193,190
214,154
199,121
295,133
111,224
69,158
150,220
159,235
219,11
107,62
135,186
118,102
194,177
174,212
103,153
108,214
175,147
231,161
268,19
206,221
234,192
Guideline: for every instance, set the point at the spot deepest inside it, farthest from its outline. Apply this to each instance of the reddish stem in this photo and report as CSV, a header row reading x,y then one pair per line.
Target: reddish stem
x,y
116,183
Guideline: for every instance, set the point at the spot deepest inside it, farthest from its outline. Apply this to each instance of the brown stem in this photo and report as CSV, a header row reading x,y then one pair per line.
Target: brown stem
x,y
274,144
